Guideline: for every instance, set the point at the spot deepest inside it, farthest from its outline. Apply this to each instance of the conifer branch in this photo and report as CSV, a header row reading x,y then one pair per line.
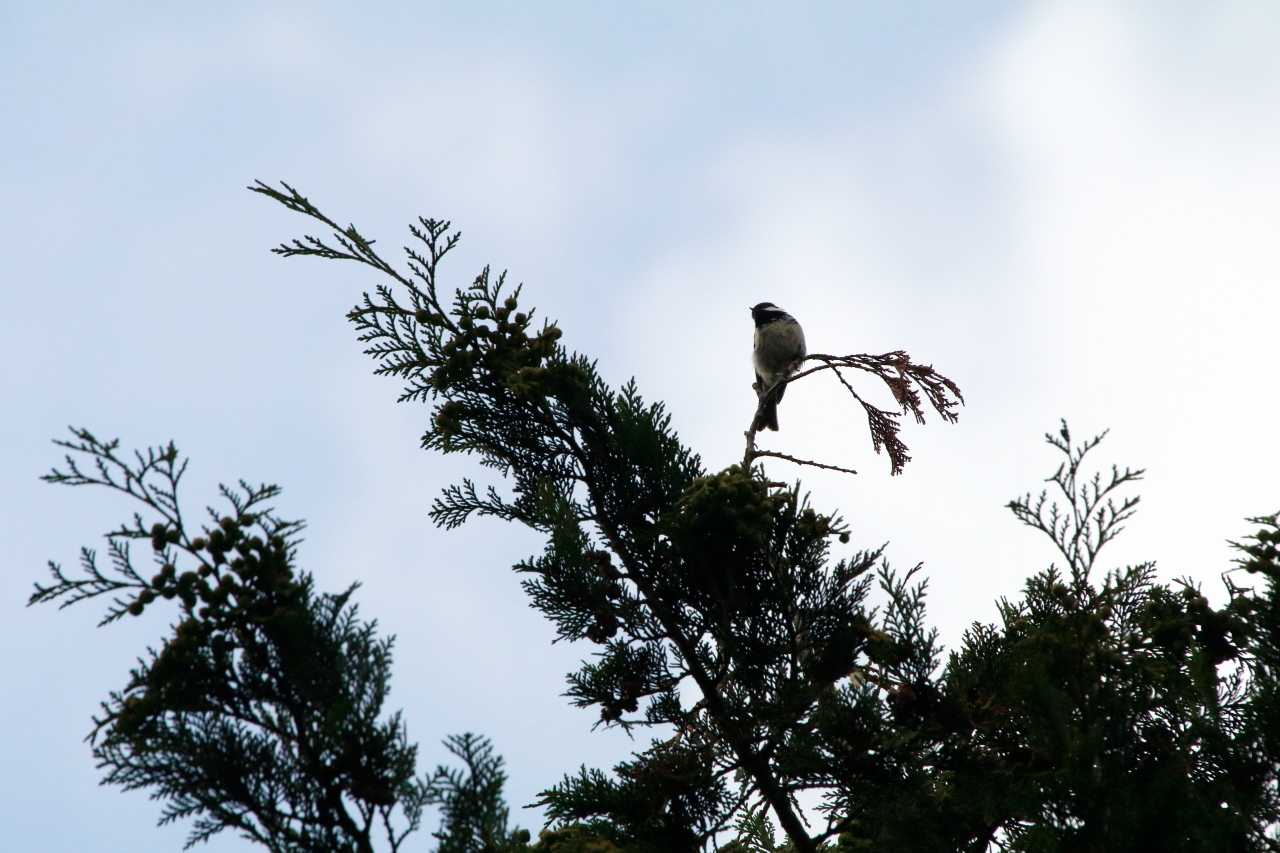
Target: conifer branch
x,y
1090,517
232,722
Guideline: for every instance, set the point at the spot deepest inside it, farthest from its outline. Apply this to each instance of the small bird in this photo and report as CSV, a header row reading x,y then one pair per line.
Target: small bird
x,y
779,350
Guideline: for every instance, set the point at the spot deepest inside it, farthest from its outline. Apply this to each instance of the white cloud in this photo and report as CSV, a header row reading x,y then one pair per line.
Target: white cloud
x,y
1150,197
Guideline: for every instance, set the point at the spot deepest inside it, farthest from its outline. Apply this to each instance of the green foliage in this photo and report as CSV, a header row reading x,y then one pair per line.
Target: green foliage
x,y
1250,626
577,839
474,814
262,712
1109,713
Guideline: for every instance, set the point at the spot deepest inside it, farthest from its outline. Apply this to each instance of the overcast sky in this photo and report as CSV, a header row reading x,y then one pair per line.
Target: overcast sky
x,y
1070,209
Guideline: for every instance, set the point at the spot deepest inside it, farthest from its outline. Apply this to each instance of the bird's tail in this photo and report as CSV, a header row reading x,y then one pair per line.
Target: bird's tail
x,y
767,418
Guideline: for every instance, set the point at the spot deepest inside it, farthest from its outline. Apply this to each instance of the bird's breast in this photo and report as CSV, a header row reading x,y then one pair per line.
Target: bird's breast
x,y
779,347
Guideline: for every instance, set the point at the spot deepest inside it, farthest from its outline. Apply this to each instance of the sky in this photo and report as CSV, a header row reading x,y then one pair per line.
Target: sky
x,y
1070,208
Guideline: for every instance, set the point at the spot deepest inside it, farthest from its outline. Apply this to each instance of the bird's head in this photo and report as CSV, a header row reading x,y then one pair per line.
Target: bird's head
x,y
766,312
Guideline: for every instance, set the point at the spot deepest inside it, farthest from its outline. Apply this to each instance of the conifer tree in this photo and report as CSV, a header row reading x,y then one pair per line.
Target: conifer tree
x,y
262,712
716,585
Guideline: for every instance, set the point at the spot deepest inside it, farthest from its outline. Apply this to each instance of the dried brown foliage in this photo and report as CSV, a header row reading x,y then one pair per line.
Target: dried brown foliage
x,y
911,385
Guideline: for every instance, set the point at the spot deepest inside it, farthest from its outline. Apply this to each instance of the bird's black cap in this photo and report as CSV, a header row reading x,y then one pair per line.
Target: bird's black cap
x,y
766,312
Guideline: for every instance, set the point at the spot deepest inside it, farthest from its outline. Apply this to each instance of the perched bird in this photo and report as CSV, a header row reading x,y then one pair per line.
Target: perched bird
x,y
779,351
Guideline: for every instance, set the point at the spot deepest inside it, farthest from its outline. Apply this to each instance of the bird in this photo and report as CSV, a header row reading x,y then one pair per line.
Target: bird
x,y
778,351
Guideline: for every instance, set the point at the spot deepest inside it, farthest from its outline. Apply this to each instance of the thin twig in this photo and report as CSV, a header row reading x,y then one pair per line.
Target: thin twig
x,y
756,454
761,398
